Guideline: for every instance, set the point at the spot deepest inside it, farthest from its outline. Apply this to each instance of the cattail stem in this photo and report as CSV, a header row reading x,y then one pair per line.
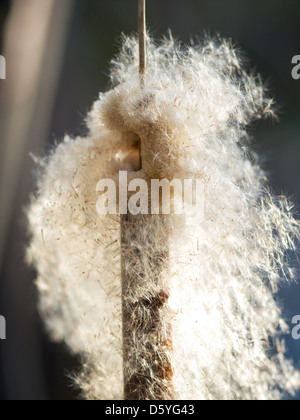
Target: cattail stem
x,y
142,38
147,342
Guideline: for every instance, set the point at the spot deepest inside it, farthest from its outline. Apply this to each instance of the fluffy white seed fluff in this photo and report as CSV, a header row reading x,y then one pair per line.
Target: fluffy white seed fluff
x,y
191,118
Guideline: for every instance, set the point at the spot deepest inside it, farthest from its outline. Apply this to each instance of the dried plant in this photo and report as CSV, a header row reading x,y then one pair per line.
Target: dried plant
x,y
191,118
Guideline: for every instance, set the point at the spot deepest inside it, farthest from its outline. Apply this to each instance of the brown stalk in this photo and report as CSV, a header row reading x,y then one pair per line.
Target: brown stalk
x,y
147,335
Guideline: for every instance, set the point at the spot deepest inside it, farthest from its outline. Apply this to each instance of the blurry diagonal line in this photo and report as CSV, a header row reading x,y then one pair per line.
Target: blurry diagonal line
x,y
34,43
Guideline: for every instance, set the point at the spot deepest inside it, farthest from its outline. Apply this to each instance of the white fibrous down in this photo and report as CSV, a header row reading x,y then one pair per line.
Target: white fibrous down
x,y
191,117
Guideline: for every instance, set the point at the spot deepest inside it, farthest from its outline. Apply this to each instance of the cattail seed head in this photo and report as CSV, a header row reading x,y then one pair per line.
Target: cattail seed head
x,y
191,118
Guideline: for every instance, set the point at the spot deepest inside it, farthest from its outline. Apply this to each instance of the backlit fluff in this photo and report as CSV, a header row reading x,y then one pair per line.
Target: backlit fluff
x,y
191,117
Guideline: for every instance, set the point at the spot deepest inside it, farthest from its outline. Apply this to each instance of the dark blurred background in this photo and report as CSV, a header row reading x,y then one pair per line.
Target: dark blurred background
x,y
57,54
